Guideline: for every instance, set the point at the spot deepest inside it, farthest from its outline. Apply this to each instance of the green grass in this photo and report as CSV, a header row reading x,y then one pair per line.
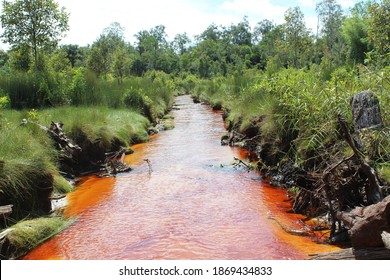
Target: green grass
x,y
27,154
28,234
99,124
27,157
297,110
96,116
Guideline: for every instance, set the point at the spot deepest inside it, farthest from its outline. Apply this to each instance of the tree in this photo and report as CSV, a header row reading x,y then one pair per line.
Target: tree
x,y
379,30
4,57
240,34
180,43
72,53
270,43
155,52
331,16
59,61
262,29
20,58
211,33
121,63
297,35
101,57
355,32
114,35
35,24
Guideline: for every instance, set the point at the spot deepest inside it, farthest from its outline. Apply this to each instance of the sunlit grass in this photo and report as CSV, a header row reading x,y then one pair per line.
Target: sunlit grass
x,y
297,109
28,234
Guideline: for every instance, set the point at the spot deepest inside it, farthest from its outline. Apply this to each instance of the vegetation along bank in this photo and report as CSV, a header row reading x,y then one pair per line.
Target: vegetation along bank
x,y
286,94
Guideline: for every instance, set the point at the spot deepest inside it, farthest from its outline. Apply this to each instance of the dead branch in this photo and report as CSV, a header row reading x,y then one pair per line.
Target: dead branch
x,y
374,189
149,165
239,162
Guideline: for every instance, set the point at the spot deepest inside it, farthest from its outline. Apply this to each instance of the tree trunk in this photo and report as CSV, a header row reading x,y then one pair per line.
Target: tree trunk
x,y
355,254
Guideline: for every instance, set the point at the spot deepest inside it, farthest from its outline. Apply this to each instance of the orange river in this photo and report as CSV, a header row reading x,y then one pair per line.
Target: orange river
x,y
192,205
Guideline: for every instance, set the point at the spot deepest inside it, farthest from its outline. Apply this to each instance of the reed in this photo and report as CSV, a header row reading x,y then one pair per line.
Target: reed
x,y
296,110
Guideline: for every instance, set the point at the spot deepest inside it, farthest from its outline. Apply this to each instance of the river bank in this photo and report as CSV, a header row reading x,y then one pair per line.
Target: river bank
x,y
299,231
190,203
332,186
41,161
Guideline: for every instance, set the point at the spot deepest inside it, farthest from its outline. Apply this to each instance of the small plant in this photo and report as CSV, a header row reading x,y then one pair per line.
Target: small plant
x,y
294,190
4,102
33,115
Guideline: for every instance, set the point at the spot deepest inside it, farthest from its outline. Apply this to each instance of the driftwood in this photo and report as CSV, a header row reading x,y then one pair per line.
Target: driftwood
x,y
372,189
114,163
354,254
239,162
297,232
368,226
150,170
386,239
349,182
62,142
6,209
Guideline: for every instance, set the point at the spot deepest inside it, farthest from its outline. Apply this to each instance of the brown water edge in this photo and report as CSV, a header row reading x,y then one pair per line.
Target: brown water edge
x,y
192,205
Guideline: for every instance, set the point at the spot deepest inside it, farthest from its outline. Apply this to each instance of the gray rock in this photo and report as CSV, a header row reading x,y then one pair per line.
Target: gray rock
x,y
366,110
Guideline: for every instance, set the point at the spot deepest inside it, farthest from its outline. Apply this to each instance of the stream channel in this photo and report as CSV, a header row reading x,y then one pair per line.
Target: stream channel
x,y
193,204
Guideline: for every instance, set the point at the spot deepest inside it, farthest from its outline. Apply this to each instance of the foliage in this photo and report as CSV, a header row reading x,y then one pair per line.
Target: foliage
x,y
331,16
296,110
378,31
33,23
28,159
28,234
355,33
4,102
297,36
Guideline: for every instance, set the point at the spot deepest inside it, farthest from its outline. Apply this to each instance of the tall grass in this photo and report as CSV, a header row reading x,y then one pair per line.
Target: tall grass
x,y
27,161
80,87
297,110
99,124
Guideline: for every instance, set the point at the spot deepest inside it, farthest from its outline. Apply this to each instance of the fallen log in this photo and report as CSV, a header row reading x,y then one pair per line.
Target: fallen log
x,y
354,254
367,224
62,142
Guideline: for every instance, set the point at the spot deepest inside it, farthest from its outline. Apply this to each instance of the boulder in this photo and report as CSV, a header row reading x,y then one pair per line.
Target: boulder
x,y
366,110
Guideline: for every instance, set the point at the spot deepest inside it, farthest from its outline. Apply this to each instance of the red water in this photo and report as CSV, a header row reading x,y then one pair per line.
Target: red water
x,y
193,204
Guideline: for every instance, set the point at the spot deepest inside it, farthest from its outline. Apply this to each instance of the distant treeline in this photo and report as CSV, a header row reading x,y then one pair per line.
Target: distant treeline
x,y
37,74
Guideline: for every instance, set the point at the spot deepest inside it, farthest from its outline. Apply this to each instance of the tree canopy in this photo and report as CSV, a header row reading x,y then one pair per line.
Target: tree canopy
x,y
34,24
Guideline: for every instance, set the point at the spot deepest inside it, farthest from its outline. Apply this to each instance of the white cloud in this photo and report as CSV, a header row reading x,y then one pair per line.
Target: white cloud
x,y
88,18
307,3
259,9
346,4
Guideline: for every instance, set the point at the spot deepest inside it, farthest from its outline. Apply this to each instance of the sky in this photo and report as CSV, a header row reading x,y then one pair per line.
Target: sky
x,y
88,18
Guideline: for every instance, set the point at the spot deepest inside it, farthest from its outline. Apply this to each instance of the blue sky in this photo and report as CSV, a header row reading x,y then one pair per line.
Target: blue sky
x,y
89,17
